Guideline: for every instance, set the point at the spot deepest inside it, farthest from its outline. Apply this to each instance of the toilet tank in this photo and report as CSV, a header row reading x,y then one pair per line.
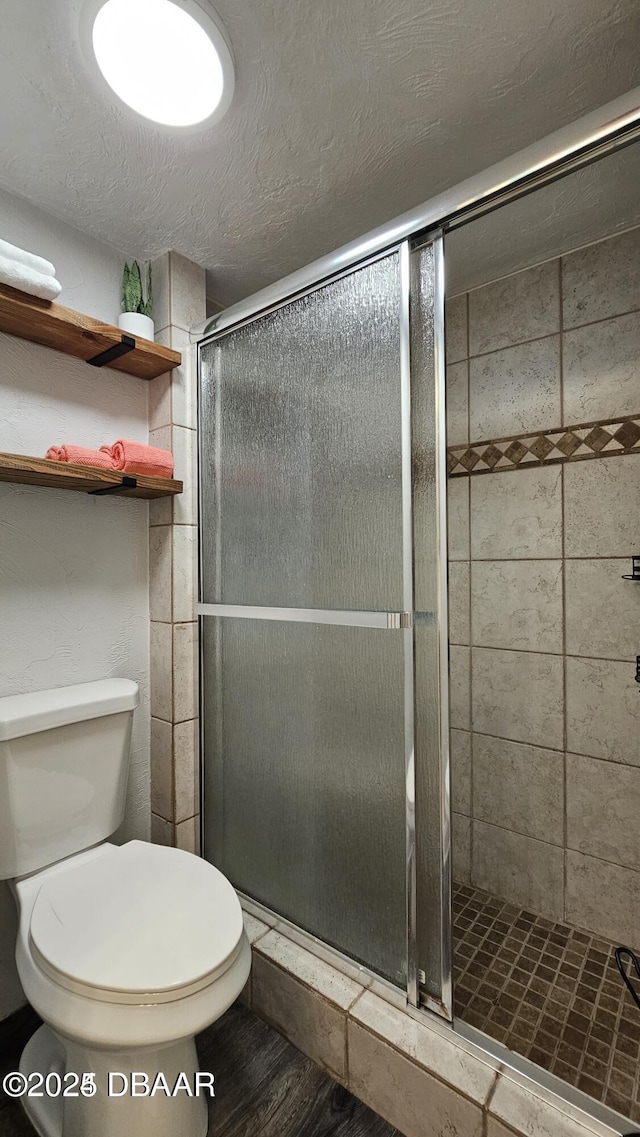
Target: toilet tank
x,y
64,762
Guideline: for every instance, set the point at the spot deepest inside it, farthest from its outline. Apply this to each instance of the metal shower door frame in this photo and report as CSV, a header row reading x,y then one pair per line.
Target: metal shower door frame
x,y
401,622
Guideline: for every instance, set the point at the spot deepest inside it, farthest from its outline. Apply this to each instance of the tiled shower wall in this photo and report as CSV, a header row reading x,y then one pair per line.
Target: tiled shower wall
x,y
544,632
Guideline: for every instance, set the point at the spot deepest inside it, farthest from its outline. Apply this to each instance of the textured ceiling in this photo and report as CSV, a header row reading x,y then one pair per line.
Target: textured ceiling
x,y
346,113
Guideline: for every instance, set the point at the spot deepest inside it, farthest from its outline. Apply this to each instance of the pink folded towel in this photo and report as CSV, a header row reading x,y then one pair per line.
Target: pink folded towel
x,y
80,456
137,458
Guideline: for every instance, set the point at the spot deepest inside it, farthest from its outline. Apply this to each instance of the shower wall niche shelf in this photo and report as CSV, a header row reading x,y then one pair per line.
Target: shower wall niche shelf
x,y
76,334
28,471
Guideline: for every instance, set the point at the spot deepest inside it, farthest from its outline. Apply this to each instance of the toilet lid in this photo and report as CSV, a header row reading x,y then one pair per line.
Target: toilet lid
x,y
140,920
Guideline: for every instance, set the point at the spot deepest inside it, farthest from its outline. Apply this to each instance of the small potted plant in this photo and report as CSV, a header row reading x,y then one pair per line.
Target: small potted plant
x,y
136,310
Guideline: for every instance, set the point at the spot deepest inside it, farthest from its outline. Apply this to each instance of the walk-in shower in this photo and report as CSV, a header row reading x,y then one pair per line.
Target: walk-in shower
x,y
341,623
543,389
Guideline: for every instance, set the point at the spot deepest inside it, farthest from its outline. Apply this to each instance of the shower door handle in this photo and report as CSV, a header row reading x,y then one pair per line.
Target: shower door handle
x,y
391,621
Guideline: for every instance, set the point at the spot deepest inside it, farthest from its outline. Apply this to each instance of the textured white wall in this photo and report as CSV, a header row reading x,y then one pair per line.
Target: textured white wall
x,y
74,595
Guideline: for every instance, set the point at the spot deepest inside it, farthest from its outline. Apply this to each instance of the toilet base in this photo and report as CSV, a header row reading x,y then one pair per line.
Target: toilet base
x,y
103,1115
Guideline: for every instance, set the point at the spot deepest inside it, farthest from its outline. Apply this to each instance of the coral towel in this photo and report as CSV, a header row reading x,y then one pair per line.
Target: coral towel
x,y
136,458
80,456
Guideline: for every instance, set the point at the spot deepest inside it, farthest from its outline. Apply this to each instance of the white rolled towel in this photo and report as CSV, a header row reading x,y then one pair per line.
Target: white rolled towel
x,y
28,280
38,264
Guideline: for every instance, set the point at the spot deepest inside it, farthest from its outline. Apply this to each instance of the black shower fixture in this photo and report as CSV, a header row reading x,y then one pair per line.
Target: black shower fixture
x,y
635,569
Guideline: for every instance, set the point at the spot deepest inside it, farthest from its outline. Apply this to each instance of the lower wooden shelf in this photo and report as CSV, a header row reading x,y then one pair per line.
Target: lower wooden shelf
x,y
29,471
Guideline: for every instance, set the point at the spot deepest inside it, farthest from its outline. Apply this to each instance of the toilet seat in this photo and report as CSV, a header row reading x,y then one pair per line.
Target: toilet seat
x,y
136,924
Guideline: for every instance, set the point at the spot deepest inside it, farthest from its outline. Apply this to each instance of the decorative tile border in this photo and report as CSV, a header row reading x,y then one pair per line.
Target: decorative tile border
x,y
568,444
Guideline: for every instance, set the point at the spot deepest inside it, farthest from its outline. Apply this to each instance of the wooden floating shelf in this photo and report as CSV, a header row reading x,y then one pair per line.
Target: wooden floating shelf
x,y
89,479
50,324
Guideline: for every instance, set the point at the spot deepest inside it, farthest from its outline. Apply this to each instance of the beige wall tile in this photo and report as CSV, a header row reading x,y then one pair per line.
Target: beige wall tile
x,y
457,397
517,604
160,392
161,437
601,514
404,1094
310,970
522,307
515,390
179,286
519,787
459,616
188,835
438,1052
603,710
185,505
160,573
161,831
459,693
602,280
460,742
600,370
160,511
183,381
518,514
255,910
519,696
185,572
187,291
455,326
497,1129
520,869
186,769
161,768
461,848
185,676
458,518
254,928
603,810
310,1022
603,898
534,1114
161,680
160,285
602,610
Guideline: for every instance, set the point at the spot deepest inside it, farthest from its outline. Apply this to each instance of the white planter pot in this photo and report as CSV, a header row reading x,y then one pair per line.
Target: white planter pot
x,y
136,325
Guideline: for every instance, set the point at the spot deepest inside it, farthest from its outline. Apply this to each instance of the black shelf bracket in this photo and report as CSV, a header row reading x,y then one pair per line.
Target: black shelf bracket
x,y
127,483
127,343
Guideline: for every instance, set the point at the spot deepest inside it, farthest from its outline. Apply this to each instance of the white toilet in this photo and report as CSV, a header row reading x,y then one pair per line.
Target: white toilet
x,y
125,951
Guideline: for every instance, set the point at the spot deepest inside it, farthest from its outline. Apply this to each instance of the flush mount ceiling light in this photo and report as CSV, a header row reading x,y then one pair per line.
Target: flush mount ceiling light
x,y
167,60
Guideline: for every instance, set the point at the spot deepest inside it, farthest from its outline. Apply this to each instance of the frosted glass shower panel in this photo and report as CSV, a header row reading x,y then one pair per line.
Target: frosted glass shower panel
x,y
305,785
301,451
430,625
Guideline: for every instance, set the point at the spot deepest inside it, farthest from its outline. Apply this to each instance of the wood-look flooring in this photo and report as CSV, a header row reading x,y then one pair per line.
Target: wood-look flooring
x,y
264,1086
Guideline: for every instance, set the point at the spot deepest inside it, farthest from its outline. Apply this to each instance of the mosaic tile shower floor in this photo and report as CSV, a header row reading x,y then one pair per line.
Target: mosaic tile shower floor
x,y
549,992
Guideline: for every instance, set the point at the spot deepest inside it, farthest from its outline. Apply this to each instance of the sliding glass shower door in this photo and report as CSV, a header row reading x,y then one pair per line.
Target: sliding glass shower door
x,y
306,613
